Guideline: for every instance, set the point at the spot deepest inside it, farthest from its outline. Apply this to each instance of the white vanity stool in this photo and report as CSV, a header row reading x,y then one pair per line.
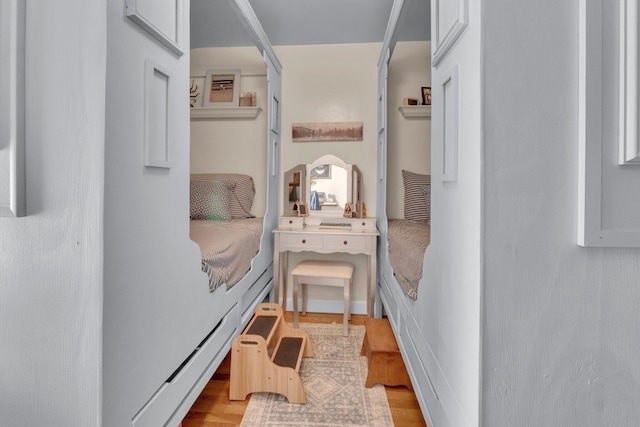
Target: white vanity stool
x,y
325,273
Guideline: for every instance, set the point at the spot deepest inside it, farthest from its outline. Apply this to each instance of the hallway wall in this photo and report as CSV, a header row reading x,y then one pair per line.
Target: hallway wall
x,y
560,326
51,259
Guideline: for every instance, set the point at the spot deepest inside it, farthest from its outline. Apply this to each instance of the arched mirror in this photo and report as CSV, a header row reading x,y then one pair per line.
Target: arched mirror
x,y
332,185
327,189
327,186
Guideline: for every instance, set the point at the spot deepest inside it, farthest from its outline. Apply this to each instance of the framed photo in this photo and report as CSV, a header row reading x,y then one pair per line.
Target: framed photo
x,y
348,210
426,95
302,209
326,131
222,88
322,172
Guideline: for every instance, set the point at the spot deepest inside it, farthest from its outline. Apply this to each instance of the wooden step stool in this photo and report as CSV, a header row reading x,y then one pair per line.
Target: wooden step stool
x,y
266,357
385,361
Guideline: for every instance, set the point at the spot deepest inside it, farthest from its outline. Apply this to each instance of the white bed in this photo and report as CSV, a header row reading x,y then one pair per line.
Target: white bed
x,y
227,248
223,226
237,256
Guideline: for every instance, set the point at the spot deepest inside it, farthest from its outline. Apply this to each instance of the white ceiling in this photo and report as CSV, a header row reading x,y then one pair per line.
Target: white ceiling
x,y
299,22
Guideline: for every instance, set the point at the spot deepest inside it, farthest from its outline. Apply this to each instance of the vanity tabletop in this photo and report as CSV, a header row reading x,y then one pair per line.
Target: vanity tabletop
x,y
314,229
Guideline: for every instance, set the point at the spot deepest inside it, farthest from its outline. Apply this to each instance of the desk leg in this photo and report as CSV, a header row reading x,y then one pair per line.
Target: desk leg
x,y
372,279
280,267
285,273
276,270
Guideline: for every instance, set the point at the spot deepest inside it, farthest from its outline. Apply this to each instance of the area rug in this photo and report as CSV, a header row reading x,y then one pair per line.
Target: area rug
x,y
333,382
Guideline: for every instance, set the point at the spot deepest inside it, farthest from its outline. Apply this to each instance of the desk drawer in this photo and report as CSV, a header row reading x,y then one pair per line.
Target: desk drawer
x,y
292,221
302,241
361,224
345,243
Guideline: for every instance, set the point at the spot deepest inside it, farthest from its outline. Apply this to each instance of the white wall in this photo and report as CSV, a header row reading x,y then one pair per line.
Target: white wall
x,y
561,338
51,260
332,83
237,145
408,140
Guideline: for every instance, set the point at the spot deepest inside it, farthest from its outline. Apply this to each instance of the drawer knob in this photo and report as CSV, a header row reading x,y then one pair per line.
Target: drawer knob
x,y
364,223
304,240
290,221
345,242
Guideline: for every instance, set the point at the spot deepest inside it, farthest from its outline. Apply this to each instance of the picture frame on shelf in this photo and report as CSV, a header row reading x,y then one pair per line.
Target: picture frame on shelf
x,y
222,88
426,95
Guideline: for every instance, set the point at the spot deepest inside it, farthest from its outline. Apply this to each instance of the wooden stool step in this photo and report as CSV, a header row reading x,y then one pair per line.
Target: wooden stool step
x,y
288,353
262,325
252,370
385,361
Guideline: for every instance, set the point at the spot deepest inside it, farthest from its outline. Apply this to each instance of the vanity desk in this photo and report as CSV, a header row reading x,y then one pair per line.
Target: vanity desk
x,y
360,237
324,229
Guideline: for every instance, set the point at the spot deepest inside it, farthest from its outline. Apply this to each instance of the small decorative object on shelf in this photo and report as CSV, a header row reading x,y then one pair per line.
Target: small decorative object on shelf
x,y
364,210
248,99
409,101
194,93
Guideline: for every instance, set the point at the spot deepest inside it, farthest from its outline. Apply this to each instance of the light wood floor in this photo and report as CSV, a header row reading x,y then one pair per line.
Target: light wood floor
x,y
214,409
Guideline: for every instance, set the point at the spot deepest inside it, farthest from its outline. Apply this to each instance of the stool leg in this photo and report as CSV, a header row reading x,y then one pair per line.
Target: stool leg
x,y
295,301
349,298
347,305
304,299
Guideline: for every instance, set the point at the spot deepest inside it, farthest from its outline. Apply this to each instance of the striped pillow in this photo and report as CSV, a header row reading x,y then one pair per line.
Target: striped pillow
x,y
417,200
210,200
426,191
242,195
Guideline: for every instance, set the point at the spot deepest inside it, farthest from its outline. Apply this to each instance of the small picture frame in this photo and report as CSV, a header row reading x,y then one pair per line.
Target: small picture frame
x,y
301,207
222,88
348,210
426,95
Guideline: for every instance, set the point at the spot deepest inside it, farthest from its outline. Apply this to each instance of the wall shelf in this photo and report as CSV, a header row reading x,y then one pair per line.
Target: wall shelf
x,y
410,111
204,113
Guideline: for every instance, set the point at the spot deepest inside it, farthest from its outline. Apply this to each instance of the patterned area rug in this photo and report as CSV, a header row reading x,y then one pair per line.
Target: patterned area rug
x,y
334,384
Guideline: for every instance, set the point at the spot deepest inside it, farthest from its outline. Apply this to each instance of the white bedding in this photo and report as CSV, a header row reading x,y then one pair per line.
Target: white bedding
x,y
227,248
